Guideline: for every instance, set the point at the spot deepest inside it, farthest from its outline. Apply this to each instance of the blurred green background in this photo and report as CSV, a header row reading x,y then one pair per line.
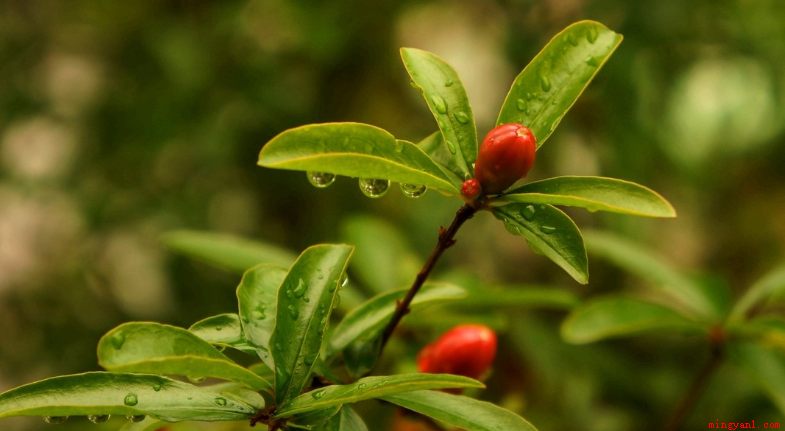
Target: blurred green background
x,y
120,121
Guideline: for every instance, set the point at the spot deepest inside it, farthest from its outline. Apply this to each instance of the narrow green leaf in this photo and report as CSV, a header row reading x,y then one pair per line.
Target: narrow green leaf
x,y
595,194
767,331
226,251
548,87
256,298
223,330
372,387
103,393
162,349
463,412
618,316
383,260
689,297
305,300
549,232
346,420
148,424
368,320
315,417
446,97
771,284
767,368
360,357
354,150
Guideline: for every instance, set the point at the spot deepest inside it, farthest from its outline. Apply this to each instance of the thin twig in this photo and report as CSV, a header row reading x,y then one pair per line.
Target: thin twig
x,y
446,239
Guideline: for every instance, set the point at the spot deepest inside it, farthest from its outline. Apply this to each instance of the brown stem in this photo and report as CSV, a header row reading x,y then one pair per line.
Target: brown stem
x,y
696,388
446,239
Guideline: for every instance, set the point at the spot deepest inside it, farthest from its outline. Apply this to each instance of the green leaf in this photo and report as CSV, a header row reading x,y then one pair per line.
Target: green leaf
x,y
223,330
367,321
315,417
643,263
372,387
618,316
346,420
768,331
256,297
433,145
226,251
595,194
550,232
305,300
162,349
103,393
766,367
443,91
548,87
382,260
771,284
460,411
354,150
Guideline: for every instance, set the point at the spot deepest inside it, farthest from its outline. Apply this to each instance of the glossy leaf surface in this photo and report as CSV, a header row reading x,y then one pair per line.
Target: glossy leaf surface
x,y
445,95
594,194
223,330
550,232
162,349
434,146
460,411
257,302
305,300
345,420
622,316
121,394
226,251
368,320
372,387
769,285
354,150
690,298
551,83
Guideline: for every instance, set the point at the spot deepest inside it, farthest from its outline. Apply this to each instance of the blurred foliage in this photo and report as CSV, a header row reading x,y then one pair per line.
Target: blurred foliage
x,y
121,121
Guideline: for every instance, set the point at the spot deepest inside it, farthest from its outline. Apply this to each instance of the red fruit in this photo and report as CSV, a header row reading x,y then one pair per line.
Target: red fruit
x,y
506,155
466,350
471,189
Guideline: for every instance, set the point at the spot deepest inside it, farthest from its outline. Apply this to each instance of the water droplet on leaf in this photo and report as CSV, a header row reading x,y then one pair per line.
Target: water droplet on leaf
x,y
413,190
439,104
572,39
521,104
258,314
451,147
528,212
135,418
299,291
220,401
591,36
413,84
98,419
318,394
461,117
545,83
294,313
547,229
320,179
398,146
131,399
117,339
196,379
361,386
374,188
157,387
448,83
55,419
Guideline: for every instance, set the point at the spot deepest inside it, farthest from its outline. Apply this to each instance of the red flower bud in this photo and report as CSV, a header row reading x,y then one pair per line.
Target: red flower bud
x,y
506,155
471,189
466,350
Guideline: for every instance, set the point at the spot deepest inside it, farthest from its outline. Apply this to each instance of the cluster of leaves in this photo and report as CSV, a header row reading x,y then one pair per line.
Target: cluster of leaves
x,y
540,96
751,331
